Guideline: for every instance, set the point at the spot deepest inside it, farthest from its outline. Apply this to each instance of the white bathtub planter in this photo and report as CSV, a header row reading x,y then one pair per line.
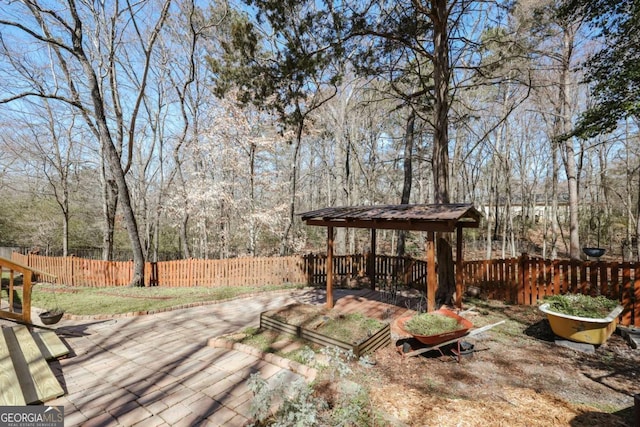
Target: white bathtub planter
x,y
585,326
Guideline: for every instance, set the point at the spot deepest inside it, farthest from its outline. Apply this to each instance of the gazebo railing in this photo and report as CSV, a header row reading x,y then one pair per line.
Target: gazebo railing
x,y
354,270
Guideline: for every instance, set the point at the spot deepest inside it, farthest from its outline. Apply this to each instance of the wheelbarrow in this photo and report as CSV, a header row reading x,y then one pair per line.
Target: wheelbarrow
x,y
427,343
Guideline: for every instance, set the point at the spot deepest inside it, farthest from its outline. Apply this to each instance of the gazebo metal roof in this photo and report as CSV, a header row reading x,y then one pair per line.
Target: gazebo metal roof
x,y
434,217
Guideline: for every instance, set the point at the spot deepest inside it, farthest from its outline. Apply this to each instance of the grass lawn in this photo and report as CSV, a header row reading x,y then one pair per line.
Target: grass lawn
x,y
92,301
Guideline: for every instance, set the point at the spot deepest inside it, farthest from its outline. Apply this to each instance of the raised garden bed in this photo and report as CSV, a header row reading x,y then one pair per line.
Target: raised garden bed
x,y
326,328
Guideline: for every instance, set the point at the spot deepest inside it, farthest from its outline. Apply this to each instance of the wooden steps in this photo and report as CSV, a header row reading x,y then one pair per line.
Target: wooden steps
x,y
10,392
50,345
25,376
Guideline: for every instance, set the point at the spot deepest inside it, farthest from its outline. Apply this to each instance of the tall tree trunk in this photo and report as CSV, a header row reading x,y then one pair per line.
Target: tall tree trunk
x,y
65,232
638,221
569,157
293,180
184,236
574,237
346,189
252,200
113,160
491,198
109,208
555,225
441,79
409,140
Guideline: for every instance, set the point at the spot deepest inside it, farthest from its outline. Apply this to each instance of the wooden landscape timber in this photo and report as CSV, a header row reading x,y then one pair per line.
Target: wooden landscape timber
x,y
380,338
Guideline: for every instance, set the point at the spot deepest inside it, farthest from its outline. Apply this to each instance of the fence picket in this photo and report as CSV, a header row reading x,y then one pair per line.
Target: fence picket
x,y
594,287
604,278
555,287
627,286
614,288
525,288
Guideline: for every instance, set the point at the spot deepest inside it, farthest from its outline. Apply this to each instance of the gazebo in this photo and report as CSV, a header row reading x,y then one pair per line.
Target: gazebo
x,y
432,218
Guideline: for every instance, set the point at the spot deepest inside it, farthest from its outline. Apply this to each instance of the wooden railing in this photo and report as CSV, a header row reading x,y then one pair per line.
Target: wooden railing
x,y
527,280
16,287
356,270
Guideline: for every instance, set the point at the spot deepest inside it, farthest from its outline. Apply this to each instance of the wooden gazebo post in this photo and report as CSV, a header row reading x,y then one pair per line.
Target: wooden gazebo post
x,y
432,278
372,260
329,267
459,266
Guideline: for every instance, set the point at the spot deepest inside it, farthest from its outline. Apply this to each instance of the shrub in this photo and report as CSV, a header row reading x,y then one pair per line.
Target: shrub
x,y
281,403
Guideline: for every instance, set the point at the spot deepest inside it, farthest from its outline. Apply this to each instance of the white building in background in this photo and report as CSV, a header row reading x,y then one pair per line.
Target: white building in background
x,y
537,211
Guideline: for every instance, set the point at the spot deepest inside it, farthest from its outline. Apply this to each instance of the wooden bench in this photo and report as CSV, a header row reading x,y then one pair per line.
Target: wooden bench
x,y
25,376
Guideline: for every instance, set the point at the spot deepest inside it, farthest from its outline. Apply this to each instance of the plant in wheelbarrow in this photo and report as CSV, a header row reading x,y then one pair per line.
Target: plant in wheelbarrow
x,y
435,327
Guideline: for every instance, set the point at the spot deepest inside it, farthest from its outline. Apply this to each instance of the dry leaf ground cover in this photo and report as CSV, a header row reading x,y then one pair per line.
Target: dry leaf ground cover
x,y
517,376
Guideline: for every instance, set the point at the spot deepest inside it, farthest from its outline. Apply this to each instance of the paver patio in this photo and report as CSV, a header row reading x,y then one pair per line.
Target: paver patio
x,y
158,370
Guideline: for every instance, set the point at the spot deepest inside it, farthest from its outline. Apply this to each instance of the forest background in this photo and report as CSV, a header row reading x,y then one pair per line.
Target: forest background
x,y
182,128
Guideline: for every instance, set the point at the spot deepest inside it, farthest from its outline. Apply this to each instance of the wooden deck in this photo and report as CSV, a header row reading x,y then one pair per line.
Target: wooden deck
x,y
25,376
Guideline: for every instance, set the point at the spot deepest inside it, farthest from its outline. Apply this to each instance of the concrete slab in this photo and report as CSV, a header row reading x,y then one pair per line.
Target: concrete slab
x,y
577,346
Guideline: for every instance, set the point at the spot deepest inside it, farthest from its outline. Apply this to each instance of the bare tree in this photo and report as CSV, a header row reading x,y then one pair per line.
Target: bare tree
x,y
81,65
53,148
556,59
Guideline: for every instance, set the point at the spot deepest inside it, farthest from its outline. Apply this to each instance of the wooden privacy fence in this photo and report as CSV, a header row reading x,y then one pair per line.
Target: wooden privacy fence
x,y
308,269
527,280
228,272
74,271
522,280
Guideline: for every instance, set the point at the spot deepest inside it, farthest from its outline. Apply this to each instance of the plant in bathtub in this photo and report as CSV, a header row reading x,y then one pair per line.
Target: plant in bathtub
x,y
581,305
582,318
